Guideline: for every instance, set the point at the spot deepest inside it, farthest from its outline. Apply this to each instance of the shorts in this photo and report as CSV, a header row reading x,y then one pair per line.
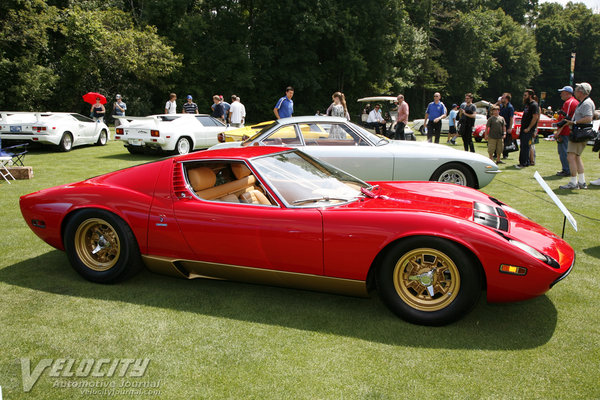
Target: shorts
x,y
452,130
576,147
495,146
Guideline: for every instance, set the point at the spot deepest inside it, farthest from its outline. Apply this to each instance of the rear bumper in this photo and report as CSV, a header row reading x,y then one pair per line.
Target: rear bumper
x,y
31,137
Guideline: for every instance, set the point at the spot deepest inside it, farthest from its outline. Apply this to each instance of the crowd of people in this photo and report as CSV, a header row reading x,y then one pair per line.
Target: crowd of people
x,y
577,112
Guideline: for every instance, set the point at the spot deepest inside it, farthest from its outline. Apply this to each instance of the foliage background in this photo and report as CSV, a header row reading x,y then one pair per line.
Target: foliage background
x,y
53,51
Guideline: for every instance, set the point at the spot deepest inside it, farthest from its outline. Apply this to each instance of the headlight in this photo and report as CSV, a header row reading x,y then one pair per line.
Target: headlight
x,y
534,253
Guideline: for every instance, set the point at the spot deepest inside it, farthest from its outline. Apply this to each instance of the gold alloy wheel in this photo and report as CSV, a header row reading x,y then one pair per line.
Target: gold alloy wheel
x,y
97,244
426,279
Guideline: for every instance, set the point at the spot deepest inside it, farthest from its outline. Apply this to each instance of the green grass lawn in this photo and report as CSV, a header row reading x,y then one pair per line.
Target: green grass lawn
x,y
216,339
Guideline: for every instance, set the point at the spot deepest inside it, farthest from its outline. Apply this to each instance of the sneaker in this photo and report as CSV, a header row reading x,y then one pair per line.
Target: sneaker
x,y
569,185
563,173
596,182
519,166
582,185
500,162
453,141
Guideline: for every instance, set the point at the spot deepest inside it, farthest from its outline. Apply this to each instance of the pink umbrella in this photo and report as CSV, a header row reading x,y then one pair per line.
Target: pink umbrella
x,y
90,97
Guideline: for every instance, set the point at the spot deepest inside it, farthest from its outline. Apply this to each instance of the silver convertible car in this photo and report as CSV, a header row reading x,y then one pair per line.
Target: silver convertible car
x,y
373,157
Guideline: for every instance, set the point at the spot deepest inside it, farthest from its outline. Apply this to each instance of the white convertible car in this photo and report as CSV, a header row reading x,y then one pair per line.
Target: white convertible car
x,y
178,133
373,157
65,130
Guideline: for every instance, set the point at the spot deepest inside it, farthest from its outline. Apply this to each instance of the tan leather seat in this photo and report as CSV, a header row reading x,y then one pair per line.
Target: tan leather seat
x,y
203,181
240,170
201,178
254,197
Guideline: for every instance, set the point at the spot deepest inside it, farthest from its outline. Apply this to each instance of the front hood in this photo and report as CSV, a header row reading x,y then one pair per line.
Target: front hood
x,y
430,197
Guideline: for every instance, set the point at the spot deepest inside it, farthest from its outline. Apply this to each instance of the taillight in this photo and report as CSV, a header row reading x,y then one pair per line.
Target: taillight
x,y
154,133
38,128
221,137
119,131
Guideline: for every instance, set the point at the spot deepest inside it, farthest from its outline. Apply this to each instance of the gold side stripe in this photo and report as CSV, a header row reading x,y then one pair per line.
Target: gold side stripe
x,y
198,269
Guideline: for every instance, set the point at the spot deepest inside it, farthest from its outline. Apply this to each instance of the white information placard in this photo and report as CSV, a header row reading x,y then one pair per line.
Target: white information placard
x,y
556,200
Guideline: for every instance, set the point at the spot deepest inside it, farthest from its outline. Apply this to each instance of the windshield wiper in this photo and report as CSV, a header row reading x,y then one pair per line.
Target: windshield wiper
x,y
316,199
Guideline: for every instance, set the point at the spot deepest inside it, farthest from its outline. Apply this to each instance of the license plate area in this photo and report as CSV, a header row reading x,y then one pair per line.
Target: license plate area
x,y
136,142
16,129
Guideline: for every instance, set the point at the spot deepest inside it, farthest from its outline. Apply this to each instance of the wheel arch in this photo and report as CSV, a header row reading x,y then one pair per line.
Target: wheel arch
x,y
471,170
74,211
378,260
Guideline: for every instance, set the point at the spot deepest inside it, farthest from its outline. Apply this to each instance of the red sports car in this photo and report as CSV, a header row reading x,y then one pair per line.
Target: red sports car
x,y
546,127
277,216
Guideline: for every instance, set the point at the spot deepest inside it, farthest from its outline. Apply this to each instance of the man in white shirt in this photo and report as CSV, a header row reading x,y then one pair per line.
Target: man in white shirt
x,y
376,121
237,112
171,105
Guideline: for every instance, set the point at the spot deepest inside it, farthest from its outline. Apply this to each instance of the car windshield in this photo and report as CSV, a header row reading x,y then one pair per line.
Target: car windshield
x,y
302,181
377,140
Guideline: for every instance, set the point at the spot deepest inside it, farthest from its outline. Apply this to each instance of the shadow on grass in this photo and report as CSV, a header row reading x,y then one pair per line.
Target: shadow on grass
x,y
489,326
593,251
134,157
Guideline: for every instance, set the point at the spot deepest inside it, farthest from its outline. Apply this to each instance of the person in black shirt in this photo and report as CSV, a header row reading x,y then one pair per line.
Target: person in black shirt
x,y
467,112
531,114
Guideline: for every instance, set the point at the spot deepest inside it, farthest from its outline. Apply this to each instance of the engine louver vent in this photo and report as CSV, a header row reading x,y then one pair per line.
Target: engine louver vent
x,y
180,187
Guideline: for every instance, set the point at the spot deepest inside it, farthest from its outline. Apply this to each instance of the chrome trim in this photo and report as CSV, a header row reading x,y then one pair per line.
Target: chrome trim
x,y
563,276
192,269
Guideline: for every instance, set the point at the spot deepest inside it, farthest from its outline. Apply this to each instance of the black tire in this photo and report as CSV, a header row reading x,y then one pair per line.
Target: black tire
x,y
66,142
478,139
101,247
102,138
455,173
454,278
135,149
422,130
183,146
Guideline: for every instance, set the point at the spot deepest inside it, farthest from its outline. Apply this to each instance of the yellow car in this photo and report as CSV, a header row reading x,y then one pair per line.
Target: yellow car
x,y
240,134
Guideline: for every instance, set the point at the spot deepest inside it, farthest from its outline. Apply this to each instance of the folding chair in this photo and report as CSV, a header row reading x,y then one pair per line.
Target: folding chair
x,y
17,154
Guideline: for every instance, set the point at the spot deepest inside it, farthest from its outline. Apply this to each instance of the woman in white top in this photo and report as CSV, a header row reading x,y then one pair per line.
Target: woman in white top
x,y
338,108
171,105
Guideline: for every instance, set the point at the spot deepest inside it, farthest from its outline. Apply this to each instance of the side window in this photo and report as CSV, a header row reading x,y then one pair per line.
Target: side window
x,y
330,135
284,136
206,120
230,182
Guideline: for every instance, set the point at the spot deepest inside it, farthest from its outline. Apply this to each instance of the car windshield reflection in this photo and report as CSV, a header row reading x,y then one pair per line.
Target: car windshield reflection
x,y
302,181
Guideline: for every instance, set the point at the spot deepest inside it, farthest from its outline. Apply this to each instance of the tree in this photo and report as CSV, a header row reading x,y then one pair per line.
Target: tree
x,y
27,76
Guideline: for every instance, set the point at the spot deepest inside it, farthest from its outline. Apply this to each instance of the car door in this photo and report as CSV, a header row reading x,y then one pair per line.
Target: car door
x,y
84,128
346,149
207,130
250,235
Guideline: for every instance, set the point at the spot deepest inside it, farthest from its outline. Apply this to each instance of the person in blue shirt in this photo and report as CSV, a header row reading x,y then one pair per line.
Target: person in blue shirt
x,y
452,133
507,111
436,111
285,105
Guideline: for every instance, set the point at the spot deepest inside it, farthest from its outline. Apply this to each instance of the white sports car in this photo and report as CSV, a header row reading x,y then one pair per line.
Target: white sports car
x,y
178,133
65,130
373,157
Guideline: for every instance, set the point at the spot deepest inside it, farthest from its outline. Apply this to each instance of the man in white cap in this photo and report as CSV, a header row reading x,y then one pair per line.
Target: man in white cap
x,y
562,133
582,118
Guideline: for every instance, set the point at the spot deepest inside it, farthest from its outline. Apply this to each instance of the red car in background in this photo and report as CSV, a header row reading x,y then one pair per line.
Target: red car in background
x,y
544,127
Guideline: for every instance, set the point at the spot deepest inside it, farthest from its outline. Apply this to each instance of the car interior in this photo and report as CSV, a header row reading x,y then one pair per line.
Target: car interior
x,y
227,182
